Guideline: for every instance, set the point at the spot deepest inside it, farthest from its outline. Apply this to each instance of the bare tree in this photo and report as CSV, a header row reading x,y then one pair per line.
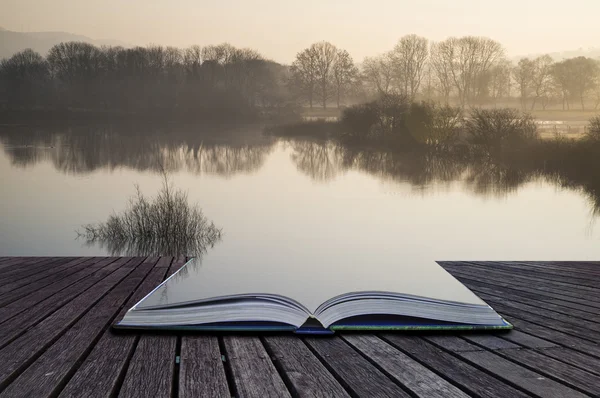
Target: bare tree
x,y
441,59
378,72
583,74
467,59
345,73
541,78
410,56
326,57
523,75
500,80
304,74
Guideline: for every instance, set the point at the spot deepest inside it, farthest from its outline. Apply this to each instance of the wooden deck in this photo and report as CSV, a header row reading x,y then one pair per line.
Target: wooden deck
x,y
55,340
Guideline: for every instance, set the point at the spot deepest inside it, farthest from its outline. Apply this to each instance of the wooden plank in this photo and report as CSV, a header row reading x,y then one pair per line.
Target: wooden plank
x,y
526,379
99,375
557,322
25,287
176,265
558,337
467,377
526,289
544,274
540,300
21,352
164,262
527,340
45,376
14,327
452,343
254,375
16,274
574,377
489,341
353,371
201,368
55,290
532,284
18,262
551,310
150,373
572,357
61,265
402,368
157,380
305,374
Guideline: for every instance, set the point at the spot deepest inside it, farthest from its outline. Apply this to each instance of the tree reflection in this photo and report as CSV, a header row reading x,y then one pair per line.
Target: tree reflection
x,y
79,150
484,176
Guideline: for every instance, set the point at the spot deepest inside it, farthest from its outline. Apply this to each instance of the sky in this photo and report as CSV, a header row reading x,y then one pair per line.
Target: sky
x,y
281,28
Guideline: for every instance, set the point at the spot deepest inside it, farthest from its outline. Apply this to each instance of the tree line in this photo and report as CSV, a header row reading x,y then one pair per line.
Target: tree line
x,y
461,71
82,76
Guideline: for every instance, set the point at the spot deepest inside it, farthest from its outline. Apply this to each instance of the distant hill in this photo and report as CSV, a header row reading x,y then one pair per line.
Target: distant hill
x,y
13,42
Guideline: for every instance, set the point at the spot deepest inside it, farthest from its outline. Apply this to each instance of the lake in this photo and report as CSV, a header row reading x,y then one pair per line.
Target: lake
x,y
281,199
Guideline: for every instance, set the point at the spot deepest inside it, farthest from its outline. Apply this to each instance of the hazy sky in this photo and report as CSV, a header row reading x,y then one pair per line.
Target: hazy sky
x,y
280,28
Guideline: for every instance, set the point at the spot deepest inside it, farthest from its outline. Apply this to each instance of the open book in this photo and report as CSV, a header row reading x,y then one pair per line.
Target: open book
x,y
218,297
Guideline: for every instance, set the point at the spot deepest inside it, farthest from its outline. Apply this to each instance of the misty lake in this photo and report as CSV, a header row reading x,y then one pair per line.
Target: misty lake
x,y
280,198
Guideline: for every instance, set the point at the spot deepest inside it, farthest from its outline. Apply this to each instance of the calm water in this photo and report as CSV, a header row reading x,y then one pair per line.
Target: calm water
x,y
280,199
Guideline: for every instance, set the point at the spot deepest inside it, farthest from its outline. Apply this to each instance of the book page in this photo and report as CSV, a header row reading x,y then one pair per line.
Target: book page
x,y
310,278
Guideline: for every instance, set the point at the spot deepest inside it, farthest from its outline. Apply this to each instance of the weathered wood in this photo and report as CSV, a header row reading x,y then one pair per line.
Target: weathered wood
x,y
55,340
460,373
156,379
176,265
254,375
99,374
531,284
33,272
570,375
536,300
18,262
526,379
55,290
551,320
353,371
201,371
528,290
574,358
558,337
405,370
23,287
304,372
43,377
22,351
29,316
489,341
577,280
527,340
150,372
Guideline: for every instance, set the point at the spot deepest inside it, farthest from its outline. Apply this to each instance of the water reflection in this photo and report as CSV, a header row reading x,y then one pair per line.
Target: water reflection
x,y
227,151
84,149
323,161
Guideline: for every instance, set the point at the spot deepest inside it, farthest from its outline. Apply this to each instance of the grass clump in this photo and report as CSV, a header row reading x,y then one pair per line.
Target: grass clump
x,y
166,225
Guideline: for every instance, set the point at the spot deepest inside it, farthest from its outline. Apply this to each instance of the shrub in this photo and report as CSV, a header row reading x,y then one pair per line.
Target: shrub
x,y
358,120
499,129
435,125
593,130
384,118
